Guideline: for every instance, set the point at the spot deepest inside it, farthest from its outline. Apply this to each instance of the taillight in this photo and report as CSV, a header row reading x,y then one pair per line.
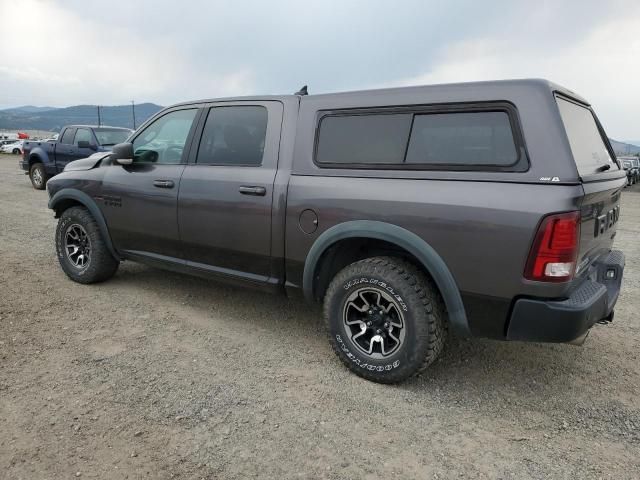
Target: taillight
x,y
555,249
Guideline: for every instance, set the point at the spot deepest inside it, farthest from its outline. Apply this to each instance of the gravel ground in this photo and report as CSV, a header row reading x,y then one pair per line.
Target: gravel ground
x,y
159,375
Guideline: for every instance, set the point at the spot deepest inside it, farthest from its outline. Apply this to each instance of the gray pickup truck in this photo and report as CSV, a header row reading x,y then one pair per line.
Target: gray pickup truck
x,y
42,160
489,209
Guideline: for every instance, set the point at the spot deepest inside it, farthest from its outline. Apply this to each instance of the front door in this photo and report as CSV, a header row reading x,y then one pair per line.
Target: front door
x,y
64,148
226,191
140,200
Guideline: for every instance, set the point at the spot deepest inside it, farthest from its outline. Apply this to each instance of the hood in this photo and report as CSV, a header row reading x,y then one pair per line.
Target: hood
x,y
86,163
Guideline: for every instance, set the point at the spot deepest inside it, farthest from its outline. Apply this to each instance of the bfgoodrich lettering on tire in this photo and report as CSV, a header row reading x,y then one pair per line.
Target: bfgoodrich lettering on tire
x,y
384,319
81,251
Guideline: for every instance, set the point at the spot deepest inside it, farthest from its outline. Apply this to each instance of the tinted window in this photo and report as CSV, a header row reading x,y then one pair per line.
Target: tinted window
x,y
67,136
233,136
83,135
457,139
163,140
474,138
587,146
110,137
374,138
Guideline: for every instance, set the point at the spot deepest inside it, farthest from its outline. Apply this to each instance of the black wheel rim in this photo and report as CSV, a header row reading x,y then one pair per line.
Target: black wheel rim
x,y
374,322
77,246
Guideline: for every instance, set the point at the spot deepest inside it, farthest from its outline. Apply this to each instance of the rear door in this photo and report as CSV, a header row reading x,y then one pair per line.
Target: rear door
x,y
602,178
226,191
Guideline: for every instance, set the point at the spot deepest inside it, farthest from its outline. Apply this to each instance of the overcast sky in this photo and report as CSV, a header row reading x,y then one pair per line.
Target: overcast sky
x,y
68,52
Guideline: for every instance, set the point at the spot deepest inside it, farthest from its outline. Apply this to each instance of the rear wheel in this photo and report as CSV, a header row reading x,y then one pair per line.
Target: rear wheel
x,y
385,319
38,176
16,151
81,250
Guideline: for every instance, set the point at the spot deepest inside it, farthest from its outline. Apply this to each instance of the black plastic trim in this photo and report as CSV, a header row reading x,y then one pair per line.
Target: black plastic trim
x,y
404,239
90,204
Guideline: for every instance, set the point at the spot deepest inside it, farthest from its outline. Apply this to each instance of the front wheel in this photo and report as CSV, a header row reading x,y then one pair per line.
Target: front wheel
x,y
385,319
38,176
82,252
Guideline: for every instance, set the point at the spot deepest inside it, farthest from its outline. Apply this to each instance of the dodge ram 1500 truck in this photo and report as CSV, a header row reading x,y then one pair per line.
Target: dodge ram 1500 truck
x,y
486,208
42,160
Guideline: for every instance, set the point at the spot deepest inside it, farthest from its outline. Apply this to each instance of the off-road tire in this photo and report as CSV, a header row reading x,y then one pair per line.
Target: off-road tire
x,y
38,176
101,265
422,309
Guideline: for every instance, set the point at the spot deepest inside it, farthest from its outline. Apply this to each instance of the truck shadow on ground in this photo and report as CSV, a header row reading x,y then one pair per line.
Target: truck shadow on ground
x,y
476,363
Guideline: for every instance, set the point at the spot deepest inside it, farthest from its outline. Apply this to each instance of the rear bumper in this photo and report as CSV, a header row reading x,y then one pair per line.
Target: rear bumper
x,y
565,320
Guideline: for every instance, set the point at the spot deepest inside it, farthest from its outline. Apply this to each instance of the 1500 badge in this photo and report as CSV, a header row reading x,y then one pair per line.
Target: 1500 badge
x,y
605,221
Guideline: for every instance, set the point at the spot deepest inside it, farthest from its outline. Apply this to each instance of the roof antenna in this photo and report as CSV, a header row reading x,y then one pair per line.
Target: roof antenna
x,y
302,91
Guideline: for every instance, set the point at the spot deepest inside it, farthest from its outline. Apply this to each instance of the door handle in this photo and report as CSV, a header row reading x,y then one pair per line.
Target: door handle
x,y
163,183
258,191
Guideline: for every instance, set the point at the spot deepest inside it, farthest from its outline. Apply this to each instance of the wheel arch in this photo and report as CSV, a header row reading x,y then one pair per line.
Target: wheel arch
x,y
70,197
398,237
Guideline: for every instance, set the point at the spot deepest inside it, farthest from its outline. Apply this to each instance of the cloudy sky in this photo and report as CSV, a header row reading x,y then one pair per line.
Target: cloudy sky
x,y
67,52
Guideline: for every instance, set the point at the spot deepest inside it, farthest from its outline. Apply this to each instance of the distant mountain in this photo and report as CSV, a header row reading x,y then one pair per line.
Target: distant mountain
x,y
56,118
622,148
28,109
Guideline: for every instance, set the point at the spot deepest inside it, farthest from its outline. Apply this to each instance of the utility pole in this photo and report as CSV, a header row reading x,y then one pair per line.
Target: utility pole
x,y
133,113
99,122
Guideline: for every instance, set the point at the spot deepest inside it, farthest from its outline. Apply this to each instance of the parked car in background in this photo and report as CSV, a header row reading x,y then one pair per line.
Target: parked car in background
x,y
628,168
635,163
12,147
631,165
487,208
43,159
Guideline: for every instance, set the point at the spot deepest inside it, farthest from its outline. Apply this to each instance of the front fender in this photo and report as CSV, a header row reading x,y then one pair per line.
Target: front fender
x,y
405,239
77,196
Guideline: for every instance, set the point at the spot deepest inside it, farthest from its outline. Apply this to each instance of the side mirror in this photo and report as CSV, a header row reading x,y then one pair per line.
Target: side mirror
x,y
122,154
87,144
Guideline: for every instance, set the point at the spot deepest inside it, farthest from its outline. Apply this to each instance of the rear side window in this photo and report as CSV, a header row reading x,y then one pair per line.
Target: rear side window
x,y
587,145
233,136
67,136
431,140
474,138
363,139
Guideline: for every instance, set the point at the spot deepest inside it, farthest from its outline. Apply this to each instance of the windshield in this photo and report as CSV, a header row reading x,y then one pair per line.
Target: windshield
x,y
111,136
587,145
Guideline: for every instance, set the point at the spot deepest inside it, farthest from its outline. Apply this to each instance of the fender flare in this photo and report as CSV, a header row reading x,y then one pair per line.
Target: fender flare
x,y
405,239
89,204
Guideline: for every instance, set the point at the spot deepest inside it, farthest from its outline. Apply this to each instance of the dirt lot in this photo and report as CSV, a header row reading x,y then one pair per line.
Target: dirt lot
x,y
158,375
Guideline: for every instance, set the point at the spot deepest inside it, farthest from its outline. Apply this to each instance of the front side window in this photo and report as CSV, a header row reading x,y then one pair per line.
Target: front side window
x,y
447,140
233,135
83,135
163,141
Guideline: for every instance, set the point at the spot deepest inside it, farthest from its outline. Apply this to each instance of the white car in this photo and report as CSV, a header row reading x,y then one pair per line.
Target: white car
x,y
15,148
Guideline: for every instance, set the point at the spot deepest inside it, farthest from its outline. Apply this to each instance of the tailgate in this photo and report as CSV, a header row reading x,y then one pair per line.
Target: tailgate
x,y
601,176
600,212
